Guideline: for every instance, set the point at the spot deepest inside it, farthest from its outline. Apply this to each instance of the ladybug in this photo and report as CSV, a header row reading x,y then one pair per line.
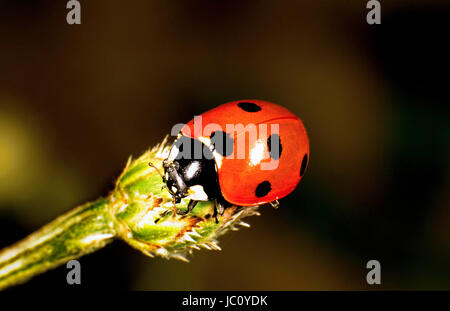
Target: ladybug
x,y
244,153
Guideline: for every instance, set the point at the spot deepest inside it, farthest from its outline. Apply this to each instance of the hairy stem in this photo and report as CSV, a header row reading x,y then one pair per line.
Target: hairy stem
x,y
72,235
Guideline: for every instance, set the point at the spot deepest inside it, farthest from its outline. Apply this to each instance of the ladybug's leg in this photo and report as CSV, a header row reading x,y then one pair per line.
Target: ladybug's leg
x,y
218,209
173,210
190,206
215,215
163,214
275,204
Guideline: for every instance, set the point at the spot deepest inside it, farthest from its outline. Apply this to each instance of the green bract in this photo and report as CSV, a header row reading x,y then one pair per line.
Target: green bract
x,y
138,202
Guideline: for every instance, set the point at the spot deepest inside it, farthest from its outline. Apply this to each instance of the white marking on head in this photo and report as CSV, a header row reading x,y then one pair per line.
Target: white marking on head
x,y
198,193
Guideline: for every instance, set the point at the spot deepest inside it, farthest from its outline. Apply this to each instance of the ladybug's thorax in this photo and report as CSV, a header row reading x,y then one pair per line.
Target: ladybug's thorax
x,y
190,171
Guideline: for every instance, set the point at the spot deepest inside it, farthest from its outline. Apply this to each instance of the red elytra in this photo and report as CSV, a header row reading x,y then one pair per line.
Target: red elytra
x,y
242,180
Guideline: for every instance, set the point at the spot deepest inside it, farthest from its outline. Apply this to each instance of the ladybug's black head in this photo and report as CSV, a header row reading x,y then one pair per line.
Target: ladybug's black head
x,y
174,181
190,171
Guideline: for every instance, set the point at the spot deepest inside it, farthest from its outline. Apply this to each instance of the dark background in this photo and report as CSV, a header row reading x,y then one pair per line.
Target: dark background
x,y
76,101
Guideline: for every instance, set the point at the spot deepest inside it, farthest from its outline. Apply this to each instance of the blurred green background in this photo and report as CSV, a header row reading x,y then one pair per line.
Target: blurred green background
x,y
76,101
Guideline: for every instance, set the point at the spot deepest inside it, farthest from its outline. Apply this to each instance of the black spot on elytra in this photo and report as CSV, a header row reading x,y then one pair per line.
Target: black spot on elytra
x,y
249,107
303,167
275,153
223,143
263,189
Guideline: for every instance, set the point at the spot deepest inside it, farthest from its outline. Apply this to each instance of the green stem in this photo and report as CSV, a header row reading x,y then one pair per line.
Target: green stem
x,y
70,236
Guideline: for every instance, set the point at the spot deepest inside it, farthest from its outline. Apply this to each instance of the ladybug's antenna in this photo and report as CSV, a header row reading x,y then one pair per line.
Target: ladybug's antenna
x,y
157,170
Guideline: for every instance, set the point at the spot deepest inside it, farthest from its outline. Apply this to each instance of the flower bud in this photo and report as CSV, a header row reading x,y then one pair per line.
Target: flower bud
x,y
143,211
